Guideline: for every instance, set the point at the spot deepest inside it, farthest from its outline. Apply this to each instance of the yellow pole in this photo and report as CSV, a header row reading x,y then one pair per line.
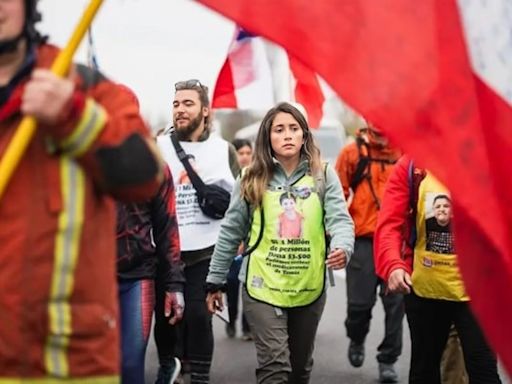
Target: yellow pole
x,y
28,125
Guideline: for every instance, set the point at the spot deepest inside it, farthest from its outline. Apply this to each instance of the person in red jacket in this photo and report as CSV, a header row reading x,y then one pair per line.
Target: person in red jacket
x,y
58,294
363,168
429,276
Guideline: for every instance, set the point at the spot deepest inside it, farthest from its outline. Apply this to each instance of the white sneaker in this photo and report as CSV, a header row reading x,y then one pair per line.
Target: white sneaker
x,y
176,371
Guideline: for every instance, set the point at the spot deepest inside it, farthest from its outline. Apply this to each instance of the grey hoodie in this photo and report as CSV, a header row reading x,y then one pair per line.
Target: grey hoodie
x,y
236,224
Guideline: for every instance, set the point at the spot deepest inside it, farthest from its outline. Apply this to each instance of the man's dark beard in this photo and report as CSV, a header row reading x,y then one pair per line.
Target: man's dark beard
x,y
184,133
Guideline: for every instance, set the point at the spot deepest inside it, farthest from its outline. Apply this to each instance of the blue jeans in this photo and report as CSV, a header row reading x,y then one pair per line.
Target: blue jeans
x,y
136,300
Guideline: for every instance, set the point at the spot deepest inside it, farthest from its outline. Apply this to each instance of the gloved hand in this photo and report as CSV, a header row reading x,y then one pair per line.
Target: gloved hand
x,y
175,305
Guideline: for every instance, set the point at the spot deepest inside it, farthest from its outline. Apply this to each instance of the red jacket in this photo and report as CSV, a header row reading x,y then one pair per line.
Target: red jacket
x,y
58,295
392,239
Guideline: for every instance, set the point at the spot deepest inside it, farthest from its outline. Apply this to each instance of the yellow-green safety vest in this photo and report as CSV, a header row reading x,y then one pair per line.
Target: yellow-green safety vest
x,y
287,267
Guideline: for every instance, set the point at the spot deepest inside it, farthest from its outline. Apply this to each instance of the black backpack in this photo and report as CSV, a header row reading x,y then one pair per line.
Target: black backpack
x,y
363,167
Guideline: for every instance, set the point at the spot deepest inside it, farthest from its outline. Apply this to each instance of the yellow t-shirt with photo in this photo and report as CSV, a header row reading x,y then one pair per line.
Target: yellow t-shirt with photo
x,y
436,273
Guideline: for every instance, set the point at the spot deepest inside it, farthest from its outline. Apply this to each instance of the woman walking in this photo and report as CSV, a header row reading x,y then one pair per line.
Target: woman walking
x,y
284,289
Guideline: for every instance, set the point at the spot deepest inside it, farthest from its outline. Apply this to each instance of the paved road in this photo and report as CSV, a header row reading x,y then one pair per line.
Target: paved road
x,y
235,360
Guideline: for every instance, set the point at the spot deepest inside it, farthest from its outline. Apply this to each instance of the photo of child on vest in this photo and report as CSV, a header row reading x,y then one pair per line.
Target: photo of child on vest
x,y
438,224
290,220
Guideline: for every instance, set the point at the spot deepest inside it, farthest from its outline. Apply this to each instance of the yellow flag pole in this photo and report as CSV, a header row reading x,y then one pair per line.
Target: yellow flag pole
x,y
28,125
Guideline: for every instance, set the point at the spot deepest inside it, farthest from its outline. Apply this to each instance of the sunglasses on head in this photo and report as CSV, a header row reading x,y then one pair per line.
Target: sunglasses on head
x,y
189,84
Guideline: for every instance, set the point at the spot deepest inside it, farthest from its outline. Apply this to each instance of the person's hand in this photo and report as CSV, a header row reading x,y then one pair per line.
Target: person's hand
x,y
214,301
399,281
174,305
46,96
336,259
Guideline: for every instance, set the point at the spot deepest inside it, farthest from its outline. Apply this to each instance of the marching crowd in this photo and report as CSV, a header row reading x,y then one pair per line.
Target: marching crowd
x,y
189,217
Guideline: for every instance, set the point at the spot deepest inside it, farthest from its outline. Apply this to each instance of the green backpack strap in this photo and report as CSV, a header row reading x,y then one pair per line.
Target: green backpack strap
x,y
320,181
260,235
250,212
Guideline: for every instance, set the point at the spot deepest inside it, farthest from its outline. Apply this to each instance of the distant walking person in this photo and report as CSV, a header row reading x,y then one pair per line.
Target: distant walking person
x,y
363,168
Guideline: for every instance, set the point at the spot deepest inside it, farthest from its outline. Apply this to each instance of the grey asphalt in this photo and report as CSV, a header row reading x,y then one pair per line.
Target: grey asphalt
x,y
234,360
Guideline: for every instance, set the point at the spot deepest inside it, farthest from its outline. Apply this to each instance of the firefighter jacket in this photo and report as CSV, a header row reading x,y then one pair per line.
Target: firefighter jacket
x,y
58,295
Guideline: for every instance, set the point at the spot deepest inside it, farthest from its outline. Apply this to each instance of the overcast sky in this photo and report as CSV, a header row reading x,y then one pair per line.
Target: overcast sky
x,y
148,44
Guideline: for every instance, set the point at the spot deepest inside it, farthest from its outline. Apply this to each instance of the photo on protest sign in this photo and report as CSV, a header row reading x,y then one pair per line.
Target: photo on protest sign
x,y
438,219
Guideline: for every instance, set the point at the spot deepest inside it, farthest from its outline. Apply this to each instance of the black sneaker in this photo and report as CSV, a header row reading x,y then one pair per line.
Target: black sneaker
x,y
387,373
230,330
356,354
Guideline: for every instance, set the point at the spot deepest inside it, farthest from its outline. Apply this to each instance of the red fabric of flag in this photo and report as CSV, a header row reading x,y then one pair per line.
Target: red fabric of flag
x,y
404,65
224,92
244,81
308,91
243,67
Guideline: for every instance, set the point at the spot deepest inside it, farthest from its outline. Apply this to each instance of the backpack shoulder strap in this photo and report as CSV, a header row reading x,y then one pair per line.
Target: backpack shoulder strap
x,y
410,173
415,176
250,213
363,170
320,181
362,164
260,234
197,182
90,76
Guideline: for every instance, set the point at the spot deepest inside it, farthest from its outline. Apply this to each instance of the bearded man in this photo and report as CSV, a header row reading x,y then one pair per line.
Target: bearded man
x,y
215,161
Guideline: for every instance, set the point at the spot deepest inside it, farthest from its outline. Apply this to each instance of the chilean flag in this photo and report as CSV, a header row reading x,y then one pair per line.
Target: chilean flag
x,y
251,79
436,75
245,80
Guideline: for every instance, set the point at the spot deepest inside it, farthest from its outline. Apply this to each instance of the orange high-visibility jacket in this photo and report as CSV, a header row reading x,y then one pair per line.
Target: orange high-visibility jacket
x,y
58,295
